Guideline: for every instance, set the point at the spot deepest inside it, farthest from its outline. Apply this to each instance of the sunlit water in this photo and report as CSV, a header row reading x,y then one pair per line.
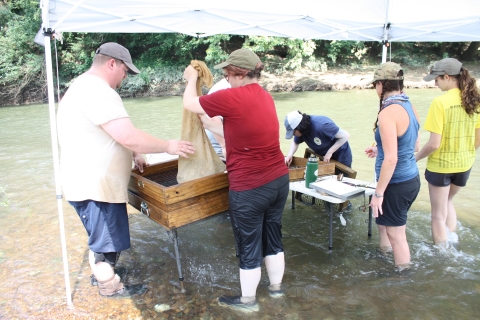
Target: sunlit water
x,y
356,280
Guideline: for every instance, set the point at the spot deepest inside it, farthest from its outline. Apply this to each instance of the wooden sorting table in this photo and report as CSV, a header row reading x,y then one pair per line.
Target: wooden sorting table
x,y
157,194
299,186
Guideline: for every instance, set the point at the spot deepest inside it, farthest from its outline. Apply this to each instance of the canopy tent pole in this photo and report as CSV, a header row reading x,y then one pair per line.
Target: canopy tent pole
x,y
47,34
386,44
384,53
386,28
56,166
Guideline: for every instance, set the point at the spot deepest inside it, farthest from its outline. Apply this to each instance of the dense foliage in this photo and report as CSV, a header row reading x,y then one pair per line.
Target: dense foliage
x,y
21,60
162,57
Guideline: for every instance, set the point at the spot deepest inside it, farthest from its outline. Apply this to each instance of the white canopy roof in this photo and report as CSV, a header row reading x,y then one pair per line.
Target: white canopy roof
x,y
367,20
409,20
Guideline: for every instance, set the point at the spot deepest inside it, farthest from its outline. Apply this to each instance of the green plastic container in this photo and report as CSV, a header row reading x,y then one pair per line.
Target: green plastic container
x,y
312,167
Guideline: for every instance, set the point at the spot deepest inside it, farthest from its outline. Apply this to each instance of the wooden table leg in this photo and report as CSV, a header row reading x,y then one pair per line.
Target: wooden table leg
x,y
329,208
293,199
174,237
370,217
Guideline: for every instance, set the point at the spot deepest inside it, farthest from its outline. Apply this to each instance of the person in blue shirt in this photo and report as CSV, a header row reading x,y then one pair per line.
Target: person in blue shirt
x,y
320,134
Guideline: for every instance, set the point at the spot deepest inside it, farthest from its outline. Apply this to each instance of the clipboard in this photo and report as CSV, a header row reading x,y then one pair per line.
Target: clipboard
x,y
337,189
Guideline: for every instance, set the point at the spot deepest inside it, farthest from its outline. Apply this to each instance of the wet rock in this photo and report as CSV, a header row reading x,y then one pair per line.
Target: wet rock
x,y
162,307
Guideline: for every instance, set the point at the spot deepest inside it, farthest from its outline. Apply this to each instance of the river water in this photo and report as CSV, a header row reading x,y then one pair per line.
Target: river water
x,y
354,281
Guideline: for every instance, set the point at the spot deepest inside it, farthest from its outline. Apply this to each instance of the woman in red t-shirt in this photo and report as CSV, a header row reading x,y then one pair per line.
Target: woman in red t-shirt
x,y
259,181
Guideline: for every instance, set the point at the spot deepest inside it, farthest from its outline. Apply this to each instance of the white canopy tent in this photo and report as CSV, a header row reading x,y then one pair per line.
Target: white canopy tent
x,y
368,20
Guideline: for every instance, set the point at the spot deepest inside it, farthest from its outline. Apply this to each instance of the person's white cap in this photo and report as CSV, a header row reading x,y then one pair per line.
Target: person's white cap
x,y
291,122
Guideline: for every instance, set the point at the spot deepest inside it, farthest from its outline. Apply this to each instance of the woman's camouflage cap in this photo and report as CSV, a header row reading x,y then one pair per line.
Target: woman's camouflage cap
x,y
387,71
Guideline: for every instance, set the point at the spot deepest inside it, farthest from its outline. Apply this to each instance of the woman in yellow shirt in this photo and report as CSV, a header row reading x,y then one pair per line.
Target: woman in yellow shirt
x,y
454,124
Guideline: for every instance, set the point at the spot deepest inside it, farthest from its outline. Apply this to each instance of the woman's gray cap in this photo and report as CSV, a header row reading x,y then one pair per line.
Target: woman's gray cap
x,y
387,71
448,66
119,52
243,58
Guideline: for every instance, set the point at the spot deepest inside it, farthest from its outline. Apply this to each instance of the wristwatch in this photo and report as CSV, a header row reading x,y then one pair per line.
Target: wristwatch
x,y
378,195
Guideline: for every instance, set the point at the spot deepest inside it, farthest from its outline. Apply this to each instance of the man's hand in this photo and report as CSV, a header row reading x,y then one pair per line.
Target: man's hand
x,y
181,148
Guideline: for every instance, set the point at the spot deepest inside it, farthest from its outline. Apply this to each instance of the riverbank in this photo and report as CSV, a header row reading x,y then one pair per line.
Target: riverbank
x,y
338,79
335,78
347,78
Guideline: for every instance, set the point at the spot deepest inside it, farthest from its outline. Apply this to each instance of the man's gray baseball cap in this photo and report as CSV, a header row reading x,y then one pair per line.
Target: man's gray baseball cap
x,y
448,66
119,52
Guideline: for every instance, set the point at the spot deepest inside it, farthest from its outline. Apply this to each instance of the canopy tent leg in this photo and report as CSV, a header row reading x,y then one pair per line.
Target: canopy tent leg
x,y
384,54
386,44
56,166
386,29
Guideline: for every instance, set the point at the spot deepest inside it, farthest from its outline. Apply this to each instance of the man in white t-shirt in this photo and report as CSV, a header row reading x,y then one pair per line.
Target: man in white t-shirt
x,y
98,143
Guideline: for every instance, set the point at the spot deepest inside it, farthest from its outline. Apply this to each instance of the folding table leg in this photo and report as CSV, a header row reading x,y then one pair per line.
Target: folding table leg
x,y
370,216
329,208
173,235
293,199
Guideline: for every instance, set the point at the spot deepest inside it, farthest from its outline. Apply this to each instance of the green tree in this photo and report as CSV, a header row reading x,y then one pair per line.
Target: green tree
x,y
282,53
338,52
21,60
472,51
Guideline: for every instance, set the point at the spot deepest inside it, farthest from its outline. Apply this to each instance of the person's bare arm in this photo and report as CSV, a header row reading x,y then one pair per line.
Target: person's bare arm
x,y
291,152
431,146
342,136
219,137
191,101
417,143
123,131
387,122
215,124
477,138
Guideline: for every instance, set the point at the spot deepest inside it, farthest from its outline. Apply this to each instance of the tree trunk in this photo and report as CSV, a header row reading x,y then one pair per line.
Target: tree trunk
x,y
472,50
443,49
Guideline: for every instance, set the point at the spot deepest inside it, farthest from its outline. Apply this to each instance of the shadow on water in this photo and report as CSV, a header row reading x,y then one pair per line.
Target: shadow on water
x,y
354,281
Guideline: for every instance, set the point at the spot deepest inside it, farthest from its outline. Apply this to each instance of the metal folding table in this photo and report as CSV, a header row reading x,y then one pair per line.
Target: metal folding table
x,y
299,186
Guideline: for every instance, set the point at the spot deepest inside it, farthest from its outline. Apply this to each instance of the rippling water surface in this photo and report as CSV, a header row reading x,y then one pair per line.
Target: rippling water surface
x,y
356,280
